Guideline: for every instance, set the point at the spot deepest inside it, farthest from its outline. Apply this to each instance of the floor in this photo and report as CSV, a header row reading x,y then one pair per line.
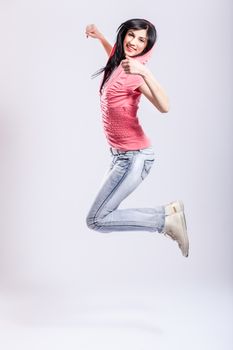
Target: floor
x,y
175,318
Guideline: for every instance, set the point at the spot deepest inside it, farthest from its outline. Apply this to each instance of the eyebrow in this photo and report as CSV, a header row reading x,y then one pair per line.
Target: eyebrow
x,y
141,37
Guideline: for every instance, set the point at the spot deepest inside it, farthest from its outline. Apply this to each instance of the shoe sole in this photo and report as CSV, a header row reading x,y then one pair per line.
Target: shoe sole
x,y
185,235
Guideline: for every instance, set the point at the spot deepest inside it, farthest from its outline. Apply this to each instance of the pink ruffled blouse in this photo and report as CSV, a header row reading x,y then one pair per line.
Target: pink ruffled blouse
x,y
119,101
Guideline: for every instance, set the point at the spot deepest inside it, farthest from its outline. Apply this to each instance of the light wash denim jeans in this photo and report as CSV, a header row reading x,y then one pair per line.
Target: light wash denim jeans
x,y
127,170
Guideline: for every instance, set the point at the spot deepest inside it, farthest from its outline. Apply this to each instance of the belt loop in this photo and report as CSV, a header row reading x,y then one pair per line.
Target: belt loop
x,y
113,151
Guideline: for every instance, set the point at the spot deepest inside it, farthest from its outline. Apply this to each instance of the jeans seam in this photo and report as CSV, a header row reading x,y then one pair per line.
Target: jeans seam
x,y
113,190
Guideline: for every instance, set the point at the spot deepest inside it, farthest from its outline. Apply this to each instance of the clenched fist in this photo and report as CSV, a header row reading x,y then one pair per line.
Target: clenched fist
x,y
132,66
92,31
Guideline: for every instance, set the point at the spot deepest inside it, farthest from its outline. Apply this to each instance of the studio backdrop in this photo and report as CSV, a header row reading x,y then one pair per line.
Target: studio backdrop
x,y
53,152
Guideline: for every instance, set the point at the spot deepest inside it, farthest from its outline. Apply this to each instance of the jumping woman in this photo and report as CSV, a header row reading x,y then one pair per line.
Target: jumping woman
x,y
125,78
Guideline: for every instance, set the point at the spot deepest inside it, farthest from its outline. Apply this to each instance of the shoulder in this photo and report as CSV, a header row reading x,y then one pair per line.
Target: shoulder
x,y
133,81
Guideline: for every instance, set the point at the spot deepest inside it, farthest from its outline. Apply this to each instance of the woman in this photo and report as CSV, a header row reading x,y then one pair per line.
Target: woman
x,y
125,78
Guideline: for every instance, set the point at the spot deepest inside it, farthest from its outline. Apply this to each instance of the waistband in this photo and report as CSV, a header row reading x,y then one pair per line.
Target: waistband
x,y
116,151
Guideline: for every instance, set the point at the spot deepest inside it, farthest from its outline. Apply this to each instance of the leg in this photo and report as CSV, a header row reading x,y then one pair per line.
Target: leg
x,y
127,171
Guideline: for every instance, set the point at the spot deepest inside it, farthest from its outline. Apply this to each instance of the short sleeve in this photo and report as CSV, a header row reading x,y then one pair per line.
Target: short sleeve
x,y
133,81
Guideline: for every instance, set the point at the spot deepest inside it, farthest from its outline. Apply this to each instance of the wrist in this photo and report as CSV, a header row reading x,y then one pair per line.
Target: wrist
x,y
145,73
101,38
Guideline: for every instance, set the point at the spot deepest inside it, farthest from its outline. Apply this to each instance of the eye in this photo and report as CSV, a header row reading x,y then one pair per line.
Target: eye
x,y
142,40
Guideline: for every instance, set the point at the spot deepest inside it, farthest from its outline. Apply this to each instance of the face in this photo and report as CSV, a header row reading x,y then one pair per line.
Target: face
x,y
135,41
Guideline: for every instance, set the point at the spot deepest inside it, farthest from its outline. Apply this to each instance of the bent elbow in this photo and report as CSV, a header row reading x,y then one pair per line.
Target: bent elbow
x,y
165,109
166,106
162,109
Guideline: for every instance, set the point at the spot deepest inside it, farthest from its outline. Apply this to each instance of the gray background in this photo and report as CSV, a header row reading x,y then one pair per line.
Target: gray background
x,y
53,152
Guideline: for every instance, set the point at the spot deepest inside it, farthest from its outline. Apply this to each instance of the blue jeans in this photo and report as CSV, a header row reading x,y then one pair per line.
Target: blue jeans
x,y
127,170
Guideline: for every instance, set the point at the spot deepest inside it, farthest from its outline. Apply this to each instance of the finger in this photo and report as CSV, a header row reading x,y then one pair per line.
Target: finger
x,y
91,34
125,62
126,69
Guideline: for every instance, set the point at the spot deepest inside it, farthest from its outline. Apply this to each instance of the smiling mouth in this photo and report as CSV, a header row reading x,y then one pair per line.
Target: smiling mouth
x,y
130,48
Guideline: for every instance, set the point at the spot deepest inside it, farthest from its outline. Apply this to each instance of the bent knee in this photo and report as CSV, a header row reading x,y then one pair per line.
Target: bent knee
x,y
92,223
96,224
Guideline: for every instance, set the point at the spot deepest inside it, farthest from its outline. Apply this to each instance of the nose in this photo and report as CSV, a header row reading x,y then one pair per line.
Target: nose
x,y
133,42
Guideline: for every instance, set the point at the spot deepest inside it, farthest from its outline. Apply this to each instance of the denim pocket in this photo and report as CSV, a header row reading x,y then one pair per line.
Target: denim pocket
x,y
146,167
123,161
120,160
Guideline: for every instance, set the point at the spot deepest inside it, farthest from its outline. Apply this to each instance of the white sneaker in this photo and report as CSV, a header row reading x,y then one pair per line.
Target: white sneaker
x,y
174,207
175,227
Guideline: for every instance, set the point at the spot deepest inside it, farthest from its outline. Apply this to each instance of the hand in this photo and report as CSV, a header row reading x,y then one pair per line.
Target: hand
x,y
132,66
92,31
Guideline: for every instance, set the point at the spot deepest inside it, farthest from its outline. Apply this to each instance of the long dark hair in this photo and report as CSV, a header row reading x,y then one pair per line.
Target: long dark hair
x,y
118,53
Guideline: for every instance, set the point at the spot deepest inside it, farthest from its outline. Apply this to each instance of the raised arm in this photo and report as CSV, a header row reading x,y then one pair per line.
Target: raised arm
x,y
93,32
151,88
154,92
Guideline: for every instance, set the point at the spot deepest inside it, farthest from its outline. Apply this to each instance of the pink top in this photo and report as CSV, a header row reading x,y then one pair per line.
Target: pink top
x,y
119,101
